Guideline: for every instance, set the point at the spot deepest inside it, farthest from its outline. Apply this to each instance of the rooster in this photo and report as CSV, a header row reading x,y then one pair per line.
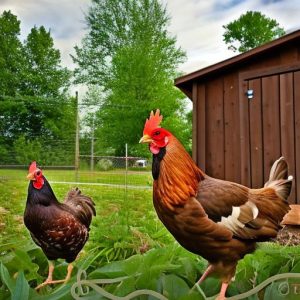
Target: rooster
x,y
60,229
216,219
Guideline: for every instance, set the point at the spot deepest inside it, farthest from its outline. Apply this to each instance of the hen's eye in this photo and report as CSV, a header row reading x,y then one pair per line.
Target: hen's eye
x,y
157,133
38,173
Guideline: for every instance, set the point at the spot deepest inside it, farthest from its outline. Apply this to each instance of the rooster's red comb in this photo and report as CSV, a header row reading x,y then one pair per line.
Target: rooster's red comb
x,y
32,167
153,122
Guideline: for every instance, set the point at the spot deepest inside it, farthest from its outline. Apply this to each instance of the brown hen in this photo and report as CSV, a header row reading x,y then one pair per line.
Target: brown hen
x,y
217,219
60,229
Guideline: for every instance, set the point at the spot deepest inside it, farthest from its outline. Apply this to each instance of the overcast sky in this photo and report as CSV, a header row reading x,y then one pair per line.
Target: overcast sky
x,y
197,24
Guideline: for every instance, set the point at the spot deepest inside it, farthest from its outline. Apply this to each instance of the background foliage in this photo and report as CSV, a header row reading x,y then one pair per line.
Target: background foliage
x,y
35,109
251,30
129,60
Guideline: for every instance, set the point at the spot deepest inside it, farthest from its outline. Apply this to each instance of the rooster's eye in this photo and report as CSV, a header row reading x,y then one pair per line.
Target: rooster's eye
x,y
157,133
38,173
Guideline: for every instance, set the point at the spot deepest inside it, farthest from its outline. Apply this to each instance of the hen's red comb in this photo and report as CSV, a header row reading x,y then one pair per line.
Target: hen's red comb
x,y
32,167
153,122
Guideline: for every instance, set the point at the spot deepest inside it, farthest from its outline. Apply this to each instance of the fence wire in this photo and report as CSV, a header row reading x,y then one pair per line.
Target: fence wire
x,y
107,171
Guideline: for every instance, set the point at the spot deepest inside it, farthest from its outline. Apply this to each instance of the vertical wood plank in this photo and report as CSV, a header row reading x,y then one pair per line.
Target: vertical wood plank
x,y
195,123
215,129
256,143
287,125
232,129
271,122
297,133
201,124
244,135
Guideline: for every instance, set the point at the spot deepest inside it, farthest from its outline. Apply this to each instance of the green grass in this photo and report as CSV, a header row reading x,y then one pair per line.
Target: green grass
x,y
126,222
126,239
116,177
120,212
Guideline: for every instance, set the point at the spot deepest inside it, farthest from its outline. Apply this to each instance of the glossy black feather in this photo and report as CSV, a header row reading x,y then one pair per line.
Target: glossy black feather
x,y
157,158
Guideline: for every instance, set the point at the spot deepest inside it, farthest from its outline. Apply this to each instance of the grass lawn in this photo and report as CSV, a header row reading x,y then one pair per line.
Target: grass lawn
x,y
115,177
118,210
126,239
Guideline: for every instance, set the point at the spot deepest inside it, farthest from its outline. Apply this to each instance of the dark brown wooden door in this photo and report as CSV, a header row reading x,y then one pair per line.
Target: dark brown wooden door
x,y
273,127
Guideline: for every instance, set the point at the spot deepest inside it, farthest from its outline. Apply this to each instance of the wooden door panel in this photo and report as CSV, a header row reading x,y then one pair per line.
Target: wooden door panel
x,y
271,122
256,137
270,125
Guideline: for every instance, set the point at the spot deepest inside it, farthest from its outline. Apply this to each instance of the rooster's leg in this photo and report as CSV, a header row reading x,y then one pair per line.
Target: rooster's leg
x,y
205,274
223,291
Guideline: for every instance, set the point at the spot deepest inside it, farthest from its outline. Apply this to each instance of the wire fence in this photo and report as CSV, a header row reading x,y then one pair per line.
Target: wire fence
x,y
109,171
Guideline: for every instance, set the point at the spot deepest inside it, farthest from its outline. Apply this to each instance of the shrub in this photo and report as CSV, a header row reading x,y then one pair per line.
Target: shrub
x,y
104,164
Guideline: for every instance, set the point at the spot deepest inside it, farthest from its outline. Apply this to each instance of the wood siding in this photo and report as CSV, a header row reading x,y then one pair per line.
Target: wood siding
x,y
236,138
272,128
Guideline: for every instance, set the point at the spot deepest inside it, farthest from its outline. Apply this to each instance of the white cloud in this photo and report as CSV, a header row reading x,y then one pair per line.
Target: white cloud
x,y
197,24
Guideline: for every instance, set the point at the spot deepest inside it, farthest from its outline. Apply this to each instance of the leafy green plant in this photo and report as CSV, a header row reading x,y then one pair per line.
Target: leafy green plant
x,y
126,239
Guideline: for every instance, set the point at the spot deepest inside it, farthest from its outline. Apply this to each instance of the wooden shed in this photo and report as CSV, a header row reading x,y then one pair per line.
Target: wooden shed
x,y
246,113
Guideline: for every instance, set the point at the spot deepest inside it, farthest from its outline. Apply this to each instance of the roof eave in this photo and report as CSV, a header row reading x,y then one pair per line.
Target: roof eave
x,y
185,82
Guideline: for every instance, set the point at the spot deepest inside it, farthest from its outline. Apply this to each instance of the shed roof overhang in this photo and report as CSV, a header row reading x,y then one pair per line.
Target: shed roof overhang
x,y
185,82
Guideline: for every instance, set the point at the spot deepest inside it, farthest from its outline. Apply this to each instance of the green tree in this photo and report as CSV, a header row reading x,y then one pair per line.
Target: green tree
x,y
45,75
11,54
129,53
250,30
35,108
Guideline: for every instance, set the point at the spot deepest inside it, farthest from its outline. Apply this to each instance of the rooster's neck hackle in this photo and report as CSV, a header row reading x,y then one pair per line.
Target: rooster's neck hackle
x,y
178,176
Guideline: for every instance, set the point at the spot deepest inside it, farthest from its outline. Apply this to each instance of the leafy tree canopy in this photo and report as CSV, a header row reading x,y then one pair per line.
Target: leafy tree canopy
x,y
46,77
250,30
113,25
11,54
130,56
35,110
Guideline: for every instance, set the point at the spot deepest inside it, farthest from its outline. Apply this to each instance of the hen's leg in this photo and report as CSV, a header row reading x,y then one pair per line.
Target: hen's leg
x,y
70,269
50,275
223,291
50,281
205,274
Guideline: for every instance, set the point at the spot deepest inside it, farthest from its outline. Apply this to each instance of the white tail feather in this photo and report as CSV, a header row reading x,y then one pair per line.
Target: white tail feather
x,y
279,179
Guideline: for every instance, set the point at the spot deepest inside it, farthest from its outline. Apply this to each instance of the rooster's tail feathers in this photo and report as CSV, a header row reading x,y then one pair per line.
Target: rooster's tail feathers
x,y
279,179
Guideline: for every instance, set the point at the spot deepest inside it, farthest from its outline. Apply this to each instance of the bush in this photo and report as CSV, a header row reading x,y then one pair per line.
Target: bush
x,y
104,164
27,151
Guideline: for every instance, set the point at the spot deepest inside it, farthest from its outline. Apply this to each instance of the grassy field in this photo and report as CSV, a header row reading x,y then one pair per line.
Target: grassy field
x,y
126,239
116,177
118,210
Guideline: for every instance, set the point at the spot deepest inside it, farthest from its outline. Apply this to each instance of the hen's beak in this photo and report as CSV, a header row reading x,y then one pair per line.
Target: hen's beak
x,y
30,176
146,139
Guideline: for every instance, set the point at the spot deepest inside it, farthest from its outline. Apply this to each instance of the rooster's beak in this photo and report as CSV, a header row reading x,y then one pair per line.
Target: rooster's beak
x,y
30,176
146,139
